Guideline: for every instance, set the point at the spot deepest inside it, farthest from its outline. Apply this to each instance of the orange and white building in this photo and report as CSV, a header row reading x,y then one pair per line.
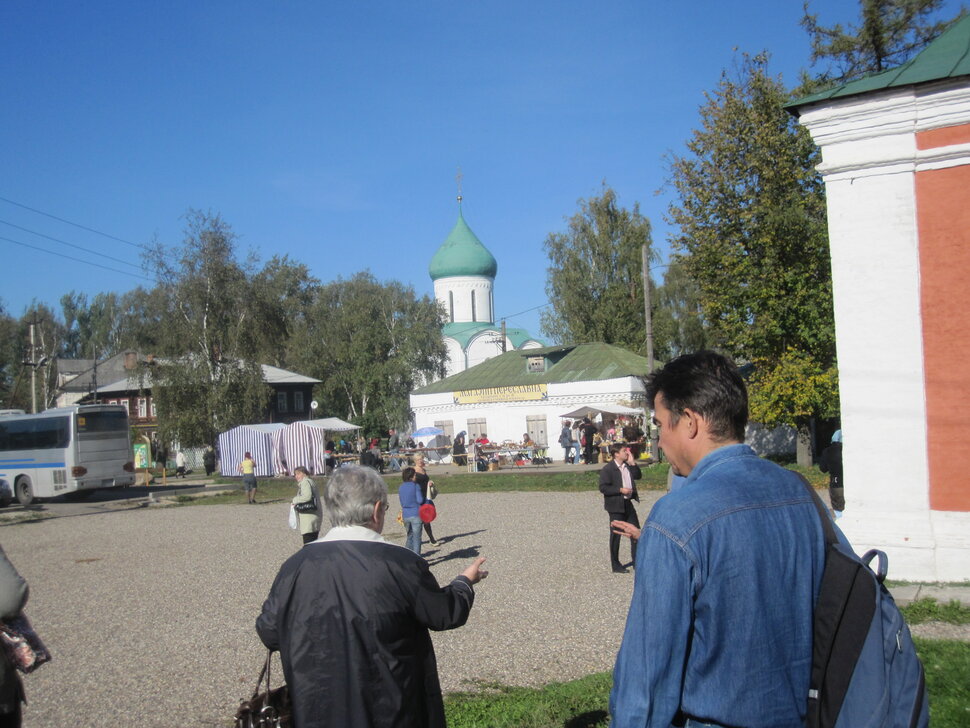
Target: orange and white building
x,y
896,165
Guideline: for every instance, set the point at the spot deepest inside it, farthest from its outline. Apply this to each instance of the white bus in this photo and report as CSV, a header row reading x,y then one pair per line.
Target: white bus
x,y
69,451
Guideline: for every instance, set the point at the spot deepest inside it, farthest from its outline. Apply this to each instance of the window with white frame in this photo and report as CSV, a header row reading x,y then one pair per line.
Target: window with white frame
x,y
154,412
142,407
124,403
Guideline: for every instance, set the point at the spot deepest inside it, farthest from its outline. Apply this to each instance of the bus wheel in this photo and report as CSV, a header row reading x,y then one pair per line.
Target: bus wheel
x,y
25,491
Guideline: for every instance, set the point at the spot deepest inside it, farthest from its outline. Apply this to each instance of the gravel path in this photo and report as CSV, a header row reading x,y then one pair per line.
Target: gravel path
x,y
149,613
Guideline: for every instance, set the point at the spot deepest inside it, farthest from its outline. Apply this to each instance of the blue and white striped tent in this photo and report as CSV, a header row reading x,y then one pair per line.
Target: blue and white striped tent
x,y
303,443
254,439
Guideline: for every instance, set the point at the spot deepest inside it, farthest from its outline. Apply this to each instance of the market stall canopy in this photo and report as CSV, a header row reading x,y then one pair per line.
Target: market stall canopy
x,y
590,410
330,424
254,439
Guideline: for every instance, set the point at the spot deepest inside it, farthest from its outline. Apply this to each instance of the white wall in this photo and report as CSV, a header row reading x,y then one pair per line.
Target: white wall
x,y
462,287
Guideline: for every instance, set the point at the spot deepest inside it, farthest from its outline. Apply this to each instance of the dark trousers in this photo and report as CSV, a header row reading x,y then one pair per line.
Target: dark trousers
x,y
629,515
837,498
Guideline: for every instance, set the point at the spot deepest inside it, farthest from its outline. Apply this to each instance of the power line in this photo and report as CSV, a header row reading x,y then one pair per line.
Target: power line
x,y
77,225
71,245
78,260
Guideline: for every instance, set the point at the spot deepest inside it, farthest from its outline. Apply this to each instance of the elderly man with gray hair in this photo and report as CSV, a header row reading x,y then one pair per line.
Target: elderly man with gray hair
x,y
350,615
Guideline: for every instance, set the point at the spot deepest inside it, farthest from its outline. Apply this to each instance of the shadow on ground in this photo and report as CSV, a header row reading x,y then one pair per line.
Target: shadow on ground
x,y
592,719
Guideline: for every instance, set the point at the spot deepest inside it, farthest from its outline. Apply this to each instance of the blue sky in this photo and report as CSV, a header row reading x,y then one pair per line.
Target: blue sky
x,y
332,132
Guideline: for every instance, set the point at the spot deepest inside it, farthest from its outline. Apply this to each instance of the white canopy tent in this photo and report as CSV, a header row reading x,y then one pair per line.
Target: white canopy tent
x,y
590,410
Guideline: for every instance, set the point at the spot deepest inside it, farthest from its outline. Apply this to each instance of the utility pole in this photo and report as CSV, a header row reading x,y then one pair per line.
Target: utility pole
x,y
647,314
34,363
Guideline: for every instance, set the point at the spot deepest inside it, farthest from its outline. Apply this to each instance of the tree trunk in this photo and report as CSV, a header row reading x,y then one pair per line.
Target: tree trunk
x,y
803,446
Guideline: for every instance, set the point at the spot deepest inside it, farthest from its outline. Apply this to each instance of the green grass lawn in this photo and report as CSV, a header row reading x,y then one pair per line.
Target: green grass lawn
x,y
528,479
583,703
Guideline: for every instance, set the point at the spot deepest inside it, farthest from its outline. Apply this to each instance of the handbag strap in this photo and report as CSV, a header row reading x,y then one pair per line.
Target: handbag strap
x,y
265,672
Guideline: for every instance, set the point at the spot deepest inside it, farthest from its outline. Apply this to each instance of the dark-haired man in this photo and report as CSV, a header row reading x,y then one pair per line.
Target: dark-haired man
x,y
720,625
618,486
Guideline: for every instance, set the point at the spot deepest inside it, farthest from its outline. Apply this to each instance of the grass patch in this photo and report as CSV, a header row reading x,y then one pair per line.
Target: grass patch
x,y
577,704
583,703
930,610
947,665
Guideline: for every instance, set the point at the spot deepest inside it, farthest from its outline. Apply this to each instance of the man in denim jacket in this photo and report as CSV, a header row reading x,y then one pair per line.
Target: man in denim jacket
x,y
720,625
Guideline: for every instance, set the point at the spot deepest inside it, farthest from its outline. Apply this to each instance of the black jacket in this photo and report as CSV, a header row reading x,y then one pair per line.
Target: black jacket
x,y
611,480
831,463
351,620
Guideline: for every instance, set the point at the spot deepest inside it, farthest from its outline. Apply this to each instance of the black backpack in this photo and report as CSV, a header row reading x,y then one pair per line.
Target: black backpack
x,y
865,670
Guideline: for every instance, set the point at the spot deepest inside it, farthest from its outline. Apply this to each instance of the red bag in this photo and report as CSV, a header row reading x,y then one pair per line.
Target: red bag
x,y
427,513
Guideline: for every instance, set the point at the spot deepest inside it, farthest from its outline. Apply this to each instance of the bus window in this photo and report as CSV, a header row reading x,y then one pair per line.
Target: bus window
x,y
104,421
35,434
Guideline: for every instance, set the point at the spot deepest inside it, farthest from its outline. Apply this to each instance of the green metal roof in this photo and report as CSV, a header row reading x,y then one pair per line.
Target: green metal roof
x,y
573,363
465,332
946,57
462,254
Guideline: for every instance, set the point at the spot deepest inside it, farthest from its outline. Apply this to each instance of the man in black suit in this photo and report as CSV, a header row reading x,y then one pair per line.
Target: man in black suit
x,y
618,486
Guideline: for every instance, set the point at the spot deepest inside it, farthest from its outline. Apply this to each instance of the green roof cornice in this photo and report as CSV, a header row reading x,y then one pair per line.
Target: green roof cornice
x,y
462,254
946,57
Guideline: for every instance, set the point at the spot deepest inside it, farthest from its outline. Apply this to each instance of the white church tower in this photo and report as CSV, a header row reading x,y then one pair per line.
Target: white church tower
x,y
463,271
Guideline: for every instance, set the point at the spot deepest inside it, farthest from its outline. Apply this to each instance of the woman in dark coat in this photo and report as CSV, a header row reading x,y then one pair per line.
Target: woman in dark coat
x,y
350,615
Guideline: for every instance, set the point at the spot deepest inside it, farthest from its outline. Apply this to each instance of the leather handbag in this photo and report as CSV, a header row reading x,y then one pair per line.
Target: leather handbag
x,y
23,646
309,506
269,708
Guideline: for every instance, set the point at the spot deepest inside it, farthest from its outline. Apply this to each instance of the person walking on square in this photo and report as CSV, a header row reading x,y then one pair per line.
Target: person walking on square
x,y
411,497
248,469
831,463
427,489
307,504
618,486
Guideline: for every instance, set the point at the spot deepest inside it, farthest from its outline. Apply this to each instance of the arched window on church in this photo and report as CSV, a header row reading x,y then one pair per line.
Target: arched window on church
x,y
451,305
474,318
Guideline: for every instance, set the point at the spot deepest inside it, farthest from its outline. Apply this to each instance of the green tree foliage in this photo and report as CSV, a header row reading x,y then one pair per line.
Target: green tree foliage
x,y
282,291
752,231
888,34
213,383
678,317
371,344
594,281
11,355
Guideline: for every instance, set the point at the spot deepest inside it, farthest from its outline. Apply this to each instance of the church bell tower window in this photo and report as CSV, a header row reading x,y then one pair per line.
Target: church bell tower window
x,y
451,306
474,317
